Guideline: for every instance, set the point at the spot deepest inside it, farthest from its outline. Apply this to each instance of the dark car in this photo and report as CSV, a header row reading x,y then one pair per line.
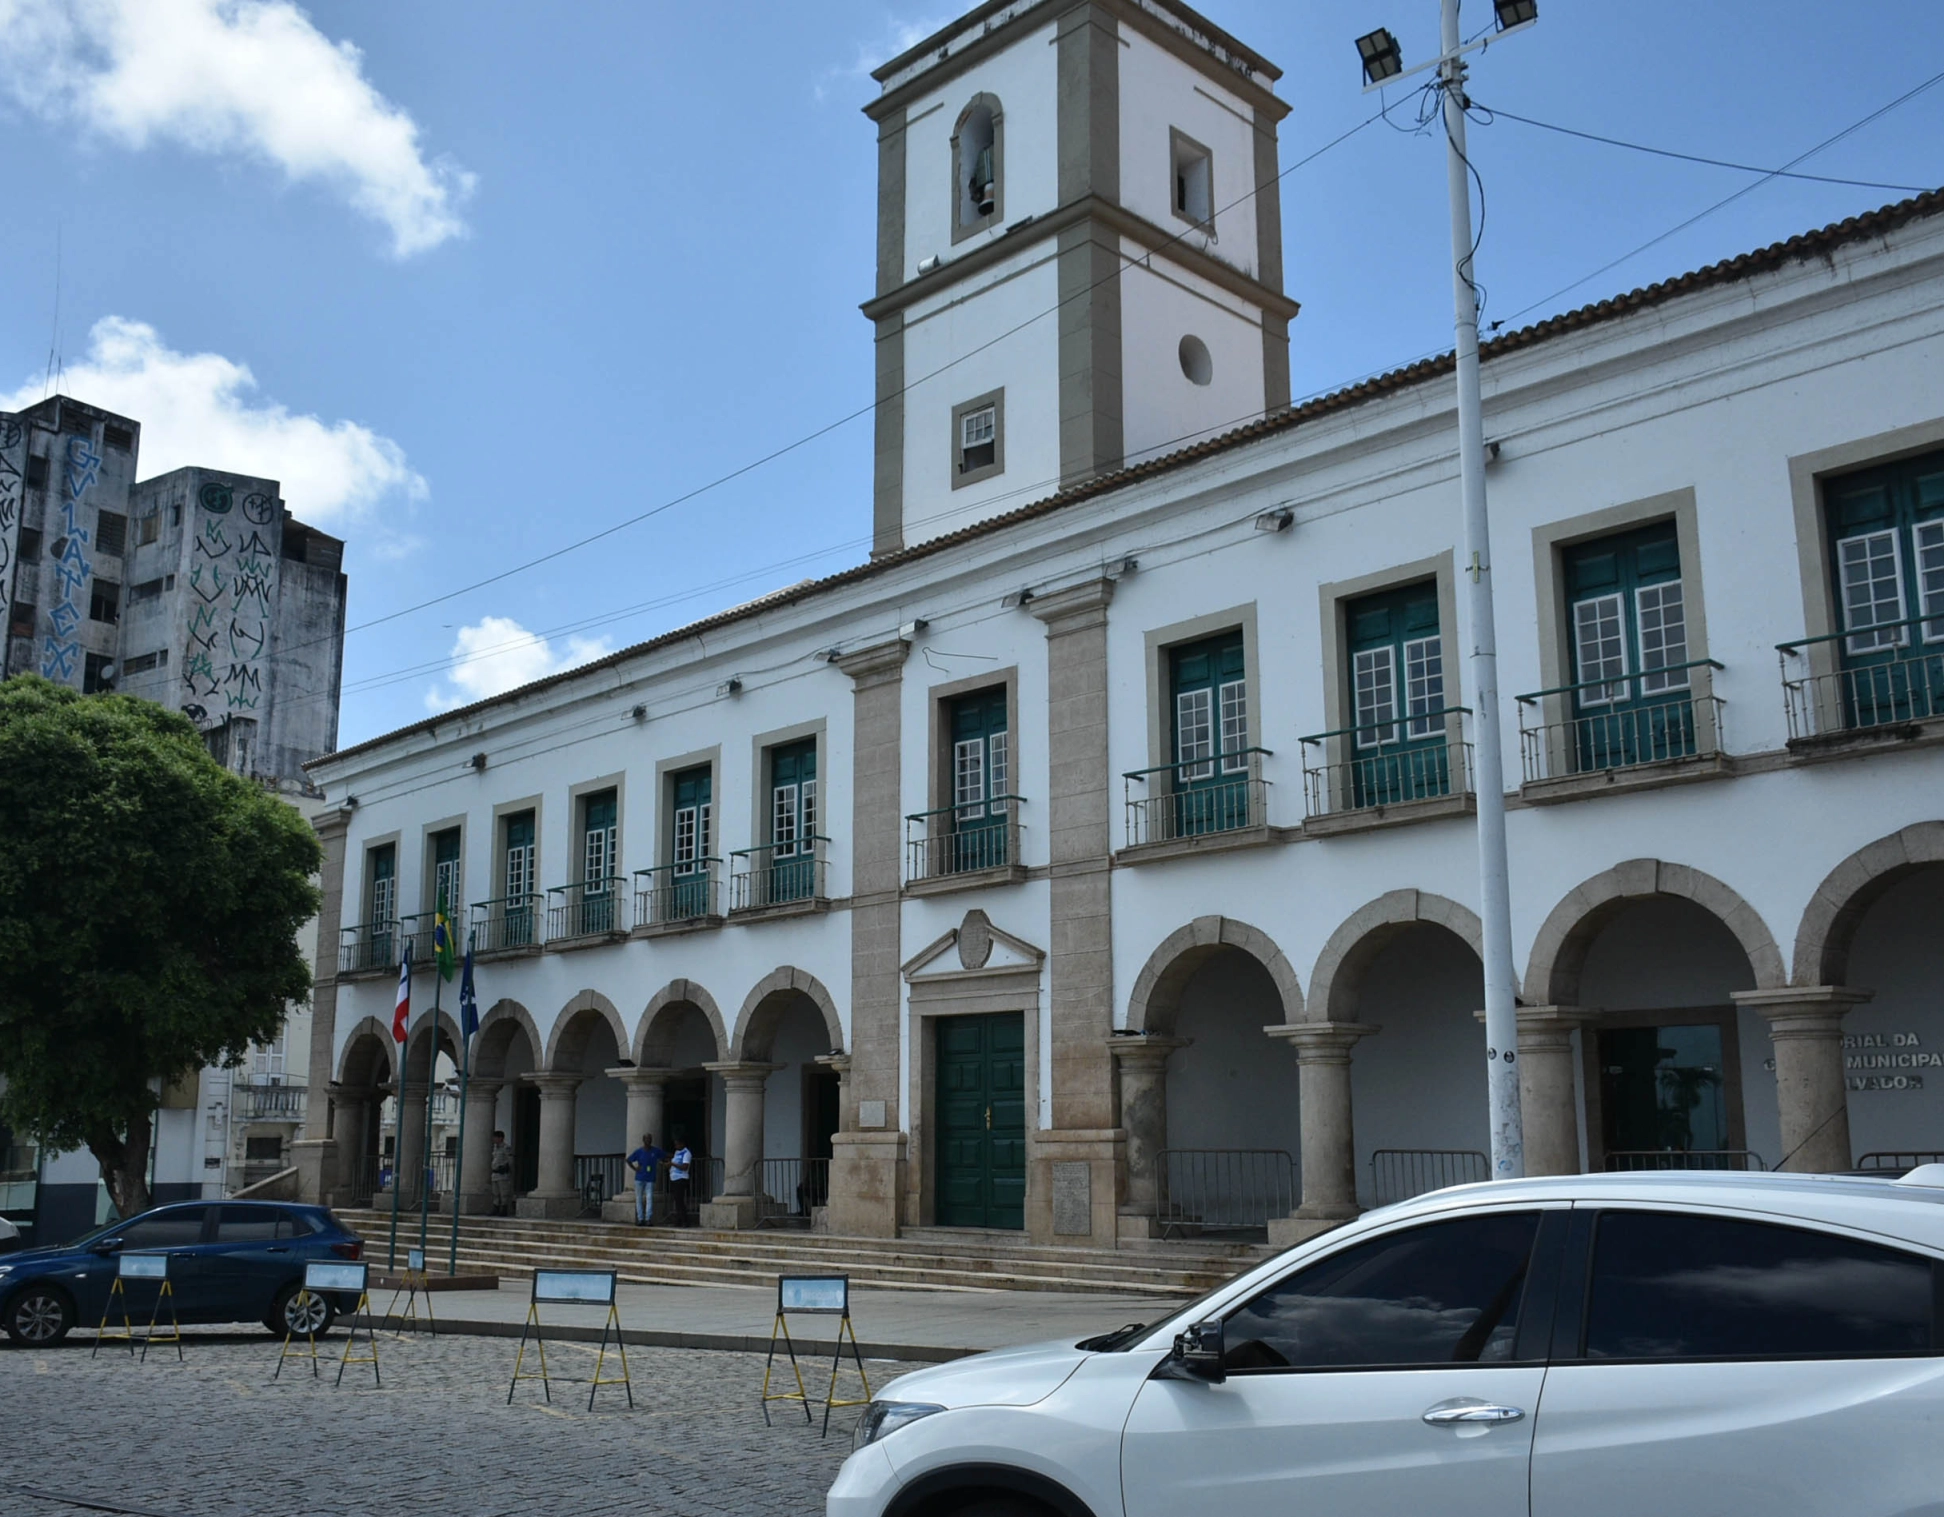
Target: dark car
x,y
229,1261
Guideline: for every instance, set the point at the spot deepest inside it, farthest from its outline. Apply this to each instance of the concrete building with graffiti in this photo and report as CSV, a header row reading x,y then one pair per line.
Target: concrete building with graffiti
x,y
1096,863
197,589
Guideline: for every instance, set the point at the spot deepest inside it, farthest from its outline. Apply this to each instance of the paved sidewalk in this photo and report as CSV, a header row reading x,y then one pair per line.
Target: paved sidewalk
x,y
894,1324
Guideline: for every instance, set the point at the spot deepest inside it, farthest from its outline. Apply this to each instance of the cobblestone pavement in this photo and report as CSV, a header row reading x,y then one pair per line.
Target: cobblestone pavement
x,y
215,1435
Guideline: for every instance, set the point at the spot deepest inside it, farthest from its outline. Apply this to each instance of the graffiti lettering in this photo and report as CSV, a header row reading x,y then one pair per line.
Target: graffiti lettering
x,y
216,499
236,603
245,643
259,508
60,654
212,541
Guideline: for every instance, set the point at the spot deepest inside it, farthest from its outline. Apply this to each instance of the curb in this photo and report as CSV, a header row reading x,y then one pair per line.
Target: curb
x,y
924,1353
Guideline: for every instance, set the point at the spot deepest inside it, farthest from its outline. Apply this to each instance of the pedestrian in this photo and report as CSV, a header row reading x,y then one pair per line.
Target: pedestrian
x,y
502,1172
678,1181
644,1161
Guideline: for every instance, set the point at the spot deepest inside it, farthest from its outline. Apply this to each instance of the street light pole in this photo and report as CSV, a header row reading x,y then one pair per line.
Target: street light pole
x,y
1495,898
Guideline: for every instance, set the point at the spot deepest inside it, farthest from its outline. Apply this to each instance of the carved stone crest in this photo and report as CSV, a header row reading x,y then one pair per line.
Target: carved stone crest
x,y
974,940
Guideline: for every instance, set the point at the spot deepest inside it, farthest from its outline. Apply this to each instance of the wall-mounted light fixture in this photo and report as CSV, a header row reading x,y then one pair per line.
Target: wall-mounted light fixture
x,y
926,265
639,713
1016,599
1279,520
479,761
912,628
1121,569
348,805
730,686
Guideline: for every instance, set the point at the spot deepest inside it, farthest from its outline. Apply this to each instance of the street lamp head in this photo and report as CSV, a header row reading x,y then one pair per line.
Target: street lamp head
x,y
1382,58
1513,13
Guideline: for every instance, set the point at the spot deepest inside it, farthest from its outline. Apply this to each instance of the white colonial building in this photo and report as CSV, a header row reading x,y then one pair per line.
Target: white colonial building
x,y
1099,856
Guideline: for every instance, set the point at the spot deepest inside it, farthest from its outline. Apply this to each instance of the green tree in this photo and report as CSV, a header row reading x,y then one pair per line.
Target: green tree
x,y
149,909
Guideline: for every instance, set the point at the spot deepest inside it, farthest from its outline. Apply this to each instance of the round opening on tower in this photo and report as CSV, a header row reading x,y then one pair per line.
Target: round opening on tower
x,y
1195,362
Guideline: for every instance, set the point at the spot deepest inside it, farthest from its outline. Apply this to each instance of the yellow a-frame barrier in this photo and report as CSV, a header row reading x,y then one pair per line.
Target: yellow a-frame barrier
x,y
572,1287
822,1296
412,1285
341,1279
140,1266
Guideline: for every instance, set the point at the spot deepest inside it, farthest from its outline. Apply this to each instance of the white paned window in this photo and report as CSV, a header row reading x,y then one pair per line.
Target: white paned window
x,y
809,812
1194,734
1929,537
687,837
968,777
598,862
384,898
1662,619
445,885
977,428
1235,726
999,769
705,816
268,1058
1600,635
1872,581
783,819
1374,672
1424,685
519,870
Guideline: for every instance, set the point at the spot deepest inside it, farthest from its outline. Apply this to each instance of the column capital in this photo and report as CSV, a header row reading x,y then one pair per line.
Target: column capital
x,y
352,1095
478,1089
1803,1011
876,665
1076,607
1137,1050
1322,1042
744,1075
552,1085
840,1062
641,1076
1548,1026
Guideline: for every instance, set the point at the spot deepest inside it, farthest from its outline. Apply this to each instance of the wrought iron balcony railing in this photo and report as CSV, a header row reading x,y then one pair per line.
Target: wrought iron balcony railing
x,y
251,1102
1197,799
507,922
1420,758
1905,687
777,874
370,946
588,908
962,839
417,931
672,893
1621,723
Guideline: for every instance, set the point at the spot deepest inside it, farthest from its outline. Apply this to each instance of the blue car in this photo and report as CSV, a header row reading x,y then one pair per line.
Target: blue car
x,y
229,1261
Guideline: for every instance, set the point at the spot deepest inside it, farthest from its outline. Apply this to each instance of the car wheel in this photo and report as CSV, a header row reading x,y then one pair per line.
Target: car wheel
x,y
39,1317
293,1318
1001,1506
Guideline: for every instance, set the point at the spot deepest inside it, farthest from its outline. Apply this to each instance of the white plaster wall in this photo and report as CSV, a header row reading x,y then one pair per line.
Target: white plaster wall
x,y
1025,78
1162,408
800,1038
1898,953
1232,1086
1159,92
1021,293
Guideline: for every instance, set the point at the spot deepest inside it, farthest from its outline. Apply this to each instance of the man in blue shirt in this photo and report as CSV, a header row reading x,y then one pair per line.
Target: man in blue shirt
x,y
643,1162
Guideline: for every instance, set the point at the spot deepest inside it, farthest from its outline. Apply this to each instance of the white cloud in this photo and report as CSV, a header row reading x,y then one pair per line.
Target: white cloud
x,y
198,408
894,38
496,654
253,78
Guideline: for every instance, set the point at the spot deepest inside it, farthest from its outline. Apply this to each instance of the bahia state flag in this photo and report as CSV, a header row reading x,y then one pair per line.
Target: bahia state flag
x,y
443,954
402,1015
468,1000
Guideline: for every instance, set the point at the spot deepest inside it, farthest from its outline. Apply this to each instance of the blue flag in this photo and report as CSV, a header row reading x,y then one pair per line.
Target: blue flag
x,y
468,1000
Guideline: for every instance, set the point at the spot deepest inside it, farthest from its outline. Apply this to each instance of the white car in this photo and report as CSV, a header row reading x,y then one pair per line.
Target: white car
x,y
1587,1346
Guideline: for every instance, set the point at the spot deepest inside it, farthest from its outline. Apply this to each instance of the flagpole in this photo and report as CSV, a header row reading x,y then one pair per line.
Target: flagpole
x,y
465,1079
398,1126
431,1084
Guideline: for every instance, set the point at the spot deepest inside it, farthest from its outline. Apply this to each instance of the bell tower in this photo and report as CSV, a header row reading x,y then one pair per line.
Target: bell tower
x,y
1079,258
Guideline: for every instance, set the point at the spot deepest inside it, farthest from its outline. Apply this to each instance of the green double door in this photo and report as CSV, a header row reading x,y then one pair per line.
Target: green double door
x,y
981,1124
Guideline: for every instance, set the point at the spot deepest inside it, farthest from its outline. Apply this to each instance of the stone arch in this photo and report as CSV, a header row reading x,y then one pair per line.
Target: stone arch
x,y
764,1006
567,1044
1822,944
366,1060
1338,974
495,1036
1559,951
654,1042
1156,999
418,1062
981,124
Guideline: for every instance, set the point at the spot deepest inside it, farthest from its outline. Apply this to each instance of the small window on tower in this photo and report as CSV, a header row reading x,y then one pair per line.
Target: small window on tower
x,y
978,438
1194,182
37,472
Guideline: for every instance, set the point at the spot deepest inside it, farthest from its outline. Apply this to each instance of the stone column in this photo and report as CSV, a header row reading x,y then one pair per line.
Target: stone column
x,y
742,1142
1806,1024
647,1087
1329,1159
408,1152
555,1195
867,1168
1547,1088
482,1102
1083,1141
350,1125
317,1153
1143,1068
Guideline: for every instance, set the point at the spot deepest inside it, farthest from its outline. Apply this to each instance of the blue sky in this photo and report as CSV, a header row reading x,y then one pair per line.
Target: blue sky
x,y
509,273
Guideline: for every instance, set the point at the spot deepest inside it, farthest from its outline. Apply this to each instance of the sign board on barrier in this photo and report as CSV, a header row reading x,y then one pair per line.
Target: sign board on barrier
x,y
335,1277
813,1293
143,1267
591,1287
415,1260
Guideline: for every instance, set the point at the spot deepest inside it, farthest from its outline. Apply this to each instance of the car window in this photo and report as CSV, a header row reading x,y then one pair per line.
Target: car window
x,y
1444,1293
253,1224
169,1229
1671,1285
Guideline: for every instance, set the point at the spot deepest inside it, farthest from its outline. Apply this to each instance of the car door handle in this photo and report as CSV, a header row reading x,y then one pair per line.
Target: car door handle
x,y
276,1250
1463,1410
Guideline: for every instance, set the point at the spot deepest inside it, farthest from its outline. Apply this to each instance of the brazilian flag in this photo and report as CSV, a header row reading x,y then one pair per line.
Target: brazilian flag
x,y
444,954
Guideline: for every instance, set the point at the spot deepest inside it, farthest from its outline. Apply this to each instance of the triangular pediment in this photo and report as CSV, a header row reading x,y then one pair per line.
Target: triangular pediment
x,y
975,946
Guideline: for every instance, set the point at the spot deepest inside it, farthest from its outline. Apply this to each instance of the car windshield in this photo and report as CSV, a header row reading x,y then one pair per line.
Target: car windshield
x,y
94,1237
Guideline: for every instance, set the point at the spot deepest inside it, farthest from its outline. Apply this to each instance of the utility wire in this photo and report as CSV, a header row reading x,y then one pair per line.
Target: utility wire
x,y
1715,163
1727,200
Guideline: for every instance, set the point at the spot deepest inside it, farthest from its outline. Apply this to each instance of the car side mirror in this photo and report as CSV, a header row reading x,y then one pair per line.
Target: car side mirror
x,y
108,1246
1197,1355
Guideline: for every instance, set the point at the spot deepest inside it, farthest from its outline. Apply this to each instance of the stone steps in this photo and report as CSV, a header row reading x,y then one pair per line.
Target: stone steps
x,y
935,1259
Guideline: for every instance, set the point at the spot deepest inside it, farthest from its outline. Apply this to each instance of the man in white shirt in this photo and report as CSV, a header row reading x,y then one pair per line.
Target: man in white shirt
x,y
678,1182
